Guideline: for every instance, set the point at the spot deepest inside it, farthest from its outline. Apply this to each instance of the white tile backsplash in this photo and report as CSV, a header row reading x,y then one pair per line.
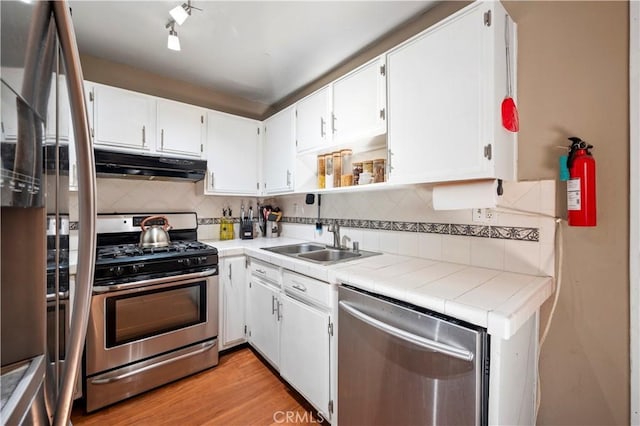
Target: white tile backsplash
x,y
524,204
456,249
409,204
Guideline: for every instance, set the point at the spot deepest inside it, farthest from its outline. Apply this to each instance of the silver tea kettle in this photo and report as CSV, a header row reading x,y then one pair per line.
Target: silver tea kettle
x,y
154,235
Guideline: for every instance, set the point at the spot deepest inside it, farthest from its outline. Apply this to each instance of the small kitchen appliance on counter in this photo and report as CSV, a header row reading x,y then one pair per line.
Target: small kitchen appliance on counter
x,y
246,224
154,310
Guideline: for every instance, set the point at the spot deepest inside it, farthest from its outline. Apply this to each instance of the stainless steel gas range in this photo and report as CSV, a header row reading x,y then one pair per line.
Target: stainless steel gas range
x,y
154,310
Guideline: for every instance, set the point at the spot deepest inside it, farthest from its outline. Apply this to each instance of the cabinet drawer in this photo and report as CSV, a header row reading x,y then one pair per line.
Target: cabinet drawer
x,y
265,270
308,288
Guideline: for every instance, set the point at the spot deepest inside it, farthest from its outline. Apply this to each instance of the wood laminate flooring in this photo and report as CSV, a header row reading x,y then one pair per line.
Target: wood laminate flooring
x,y
241,390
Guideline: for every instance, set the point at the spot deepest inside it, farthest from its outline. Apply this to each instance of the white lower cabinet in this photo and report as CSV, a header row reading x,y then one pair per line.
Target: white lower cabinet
x,y
264,324
290,325
304,351
233,285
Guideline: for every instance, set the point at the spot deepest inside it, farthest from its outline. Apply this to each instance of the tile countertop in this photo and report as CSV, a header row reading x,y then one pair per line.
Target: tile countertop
x,y
497,300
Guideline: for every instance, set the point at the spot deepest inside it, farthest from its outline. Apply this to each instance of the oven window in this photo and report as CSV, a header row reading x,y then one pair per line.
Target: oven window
x,y
148,313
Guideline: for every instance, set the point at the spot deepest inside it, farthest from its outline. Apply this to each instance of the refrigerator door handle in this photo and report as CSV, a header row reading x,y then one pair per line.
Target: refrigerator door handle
x,y
86,210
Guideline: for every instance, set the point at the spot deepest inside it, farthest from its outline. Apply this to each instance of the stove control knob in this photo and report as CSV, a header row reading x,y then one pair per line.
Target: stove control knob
x,y
187,262
118,270
135,269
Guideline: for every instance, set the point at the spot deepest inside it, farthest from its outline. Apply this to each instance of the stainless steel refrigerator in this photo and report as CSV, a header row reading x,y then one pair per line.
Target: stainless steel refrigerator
x,y
43,114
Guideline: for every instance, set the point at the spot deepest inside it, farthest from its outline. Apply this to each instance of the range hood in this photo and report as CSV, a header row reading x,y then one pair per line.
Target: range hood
x,y
120,164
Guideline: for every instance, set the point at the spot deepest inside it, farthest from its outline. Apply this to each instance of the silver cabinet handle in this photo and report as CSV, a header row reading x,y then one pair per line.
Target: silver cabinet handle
x,y
322,132
273,304
86,209
211,181
279,316
333,123
161,138
230,273
144,136
390,167
299,286
428,344
106,380
261,271
288,178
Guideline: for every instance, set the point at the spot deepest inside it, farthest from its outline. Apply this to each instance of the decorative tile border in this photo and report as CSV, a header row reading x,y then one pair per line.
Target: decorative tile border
x,y
480,231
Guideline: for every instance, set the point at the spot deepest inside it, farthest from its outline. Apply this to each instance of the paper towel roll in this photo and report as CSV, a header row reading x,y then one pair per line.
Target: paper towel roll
x,y
465,195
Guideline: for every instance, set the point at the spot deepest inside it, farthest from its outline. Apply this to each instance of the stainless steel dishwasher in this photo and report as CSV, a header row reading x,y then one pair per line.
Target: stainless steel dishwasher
x,y
402,365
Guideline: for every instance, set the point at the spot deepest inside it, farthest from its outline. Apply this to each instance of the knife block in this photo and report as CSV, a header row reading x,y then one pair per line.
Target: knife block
x,y
246,230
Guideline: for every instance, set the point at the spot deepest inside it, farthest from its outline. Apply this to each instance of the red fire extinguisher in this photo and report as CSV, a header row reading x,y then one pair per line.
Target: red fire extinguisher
x,y
581,186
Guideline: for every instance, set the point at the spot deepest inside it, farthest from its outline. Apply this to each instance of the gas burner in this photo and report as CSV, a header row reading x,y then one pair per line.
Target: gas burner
x,y
133,250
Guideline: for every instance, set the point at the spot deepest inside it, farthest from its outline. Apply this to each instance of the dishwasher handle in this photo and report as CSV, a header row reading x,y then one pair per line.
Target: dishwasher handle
x,y
406,336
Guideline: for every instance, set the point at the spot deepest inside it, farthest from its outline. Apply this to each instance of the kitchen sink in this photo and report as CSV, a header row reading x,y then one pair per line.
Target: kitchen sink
x,y
295,248
330,255
320,254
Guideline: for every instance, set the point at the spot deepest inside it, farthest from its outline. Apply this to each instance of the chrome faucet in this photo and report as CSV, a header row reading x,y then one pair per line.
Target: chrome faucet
x,y
335,228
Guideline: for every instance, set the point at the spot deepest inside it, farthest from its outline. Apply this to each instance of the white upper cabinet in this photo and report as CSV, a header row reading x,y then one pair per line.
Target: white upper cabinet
x,y
445,87
122,118
180,128
313,128
232,154
278,153
359,103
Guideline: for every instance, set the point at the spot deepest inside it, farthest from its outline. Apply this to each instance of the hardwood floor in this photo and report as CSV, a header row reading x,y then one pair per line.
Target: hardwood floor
x,y
240,390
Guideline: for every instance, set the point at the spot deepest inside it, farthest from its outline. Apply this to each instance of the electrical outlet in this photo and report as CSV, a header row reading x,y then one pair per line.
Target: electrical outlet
x,y
487,216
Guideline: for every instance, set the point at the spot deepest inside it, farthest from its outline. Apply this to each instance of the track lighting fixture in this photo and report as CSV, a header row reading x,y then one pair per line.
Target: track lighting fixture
x,y
182,12
173,42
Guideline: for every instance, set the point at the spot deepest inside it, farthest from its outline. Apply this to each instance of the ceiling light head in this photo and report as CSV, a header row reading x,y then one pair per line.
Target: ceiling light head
x,y
173,42
181,13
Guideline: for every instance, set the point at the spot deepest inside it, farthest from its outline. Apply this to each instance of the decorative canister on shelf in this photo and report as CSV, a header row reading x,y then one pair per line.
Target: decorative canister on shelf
x,y
337,169
328,167
321,171
378,170
346,178
357,169
367,166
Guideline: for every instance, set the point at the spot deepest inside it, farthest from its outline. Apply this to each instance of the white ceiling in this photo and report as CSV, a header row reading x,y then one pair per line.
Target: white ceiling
x,y
258,50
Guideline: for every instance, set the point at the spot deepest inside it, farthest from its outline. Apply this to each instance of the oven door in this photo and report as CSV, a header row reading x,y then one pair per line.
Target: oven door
x,y
134,324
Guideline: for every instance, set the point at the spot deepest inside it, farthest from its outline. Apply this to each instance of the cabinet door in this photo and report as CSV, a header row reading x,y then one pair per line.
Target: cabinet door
x,y
233,285
232,154
437,88
359,103
312,121
181,128
263,320
122,118
278,152
304,360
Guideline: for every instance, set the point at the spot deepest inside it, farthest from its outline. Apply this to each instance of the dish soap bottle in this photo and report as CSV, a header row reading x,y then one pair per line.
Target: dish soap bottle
x,y
223,225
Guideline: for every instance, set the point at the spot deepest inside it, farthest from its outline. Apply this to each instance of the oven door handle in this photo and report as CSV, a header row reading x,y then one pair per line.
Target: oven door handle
x,y
155,281
428,344
106,380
